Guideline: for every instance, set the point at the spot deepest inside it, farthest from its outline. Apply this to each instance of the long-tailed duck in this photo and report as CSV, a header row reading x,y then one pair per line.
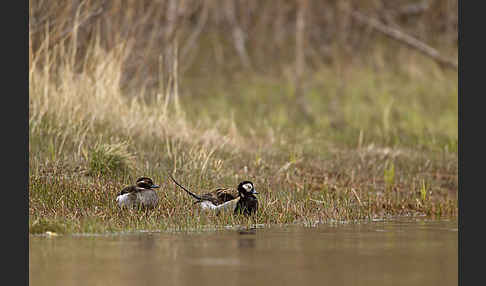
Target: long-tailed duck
x,y
139,195
239,200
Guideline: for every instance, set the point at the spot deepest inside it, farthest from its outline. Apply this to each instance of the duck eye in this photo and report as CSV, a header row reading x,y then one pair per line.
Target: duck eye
x,y
247,187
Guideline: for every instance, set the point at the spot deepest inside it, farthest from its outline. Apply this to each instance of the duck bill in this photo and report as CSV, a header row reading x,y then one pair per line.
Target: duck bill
x,y
254,192
155,186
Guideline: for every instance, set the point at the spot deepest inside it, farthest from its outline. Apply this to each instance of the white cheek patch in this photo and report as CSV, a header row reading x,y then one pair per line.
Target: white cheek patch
x,y
248,186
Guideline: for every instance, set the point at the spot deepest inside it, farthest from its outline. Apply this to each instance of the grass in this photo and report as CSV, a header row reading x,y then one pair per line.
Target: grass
x,y
384,143
107,159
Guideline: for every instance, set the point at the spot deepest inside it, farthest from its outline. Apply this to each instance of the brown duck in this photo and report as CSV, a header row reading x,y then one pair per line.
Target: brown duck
x,y
142,194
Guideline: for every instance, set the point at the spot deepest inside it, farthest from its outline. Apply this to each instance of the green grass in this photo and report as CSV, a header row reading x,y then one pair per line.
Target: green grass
x,y
108,159
383,143
386,108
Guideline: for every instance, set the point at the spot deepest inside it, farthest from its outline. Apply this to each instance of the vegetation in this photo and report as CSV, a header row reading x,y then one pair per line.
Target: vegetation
x,y
365,129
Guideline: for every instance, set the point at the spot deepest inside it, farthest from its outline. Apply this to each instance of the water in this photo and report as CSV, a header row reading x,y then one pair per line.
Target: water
x,y
400,252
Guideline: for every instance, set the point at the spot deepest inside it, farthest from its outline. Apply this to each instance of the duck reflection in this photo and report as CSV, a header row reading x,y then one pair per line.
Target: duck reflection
x,y
246,238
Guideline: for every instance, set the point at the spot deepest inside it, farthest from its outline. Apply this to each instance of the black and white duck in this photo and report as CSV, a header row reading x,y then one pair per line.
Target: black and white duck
x,y
239,200
142,194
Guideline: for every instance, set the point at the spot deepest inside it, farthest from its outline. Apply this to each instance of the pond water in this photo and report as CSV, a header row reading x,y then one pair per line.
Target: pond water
x,y
397,252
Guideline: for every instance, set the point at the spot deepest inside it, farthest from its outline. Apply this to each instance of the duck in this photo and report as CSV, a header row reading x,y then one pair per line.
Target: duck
x,y
248,203
241,200
142,194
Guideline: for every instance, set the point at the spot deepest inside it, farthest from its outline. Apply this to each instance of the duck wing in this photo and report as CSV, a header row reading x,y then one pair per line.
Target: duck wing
x,y
222,195
219,196
127,190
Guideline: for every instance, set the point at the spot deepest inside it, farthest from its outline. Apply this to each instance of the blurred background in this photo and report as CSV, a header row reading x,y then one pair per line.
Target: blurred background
x,y
382,71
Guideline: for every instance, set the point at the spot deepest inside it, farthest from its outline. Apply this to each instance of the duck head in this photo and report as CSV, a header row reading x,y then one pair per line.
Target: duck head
x,y
146,183
246,188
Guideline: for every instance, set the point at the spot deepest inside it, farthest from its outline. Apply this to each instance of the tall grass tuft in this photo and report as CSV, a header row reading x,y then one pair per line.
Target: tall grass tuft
x,y
109,159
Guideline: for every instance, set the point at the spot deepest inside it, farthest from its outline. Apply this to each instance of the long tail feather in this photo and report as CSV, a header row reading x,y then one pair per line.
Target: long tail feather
x,y
189,192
